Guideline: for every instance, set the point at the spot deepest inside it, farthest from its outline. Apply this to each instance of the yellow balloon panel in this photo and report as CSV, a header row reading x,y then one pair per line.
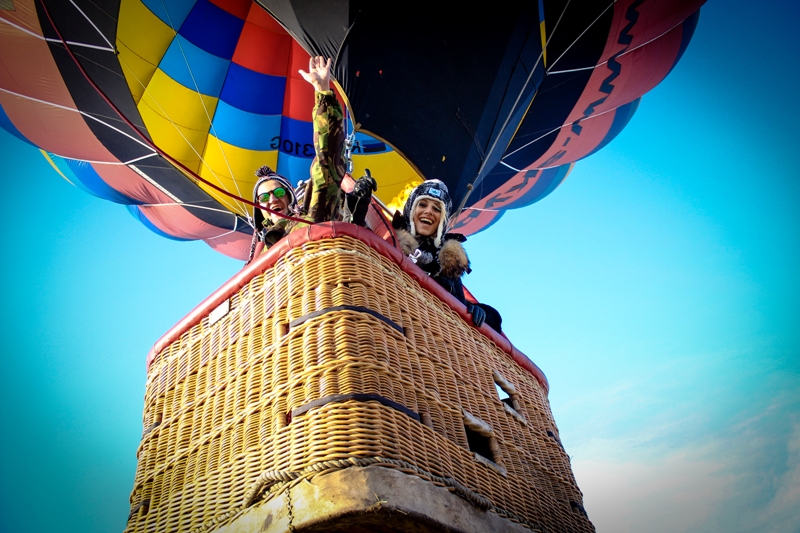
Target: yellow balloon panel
x,y
181,143
233,168
178,104
140,51
177,119
137,71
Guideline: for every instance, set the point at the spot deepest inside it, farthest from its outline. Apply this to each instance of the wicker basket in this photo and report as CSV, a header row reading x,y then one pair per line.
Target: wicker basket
x,y
332,355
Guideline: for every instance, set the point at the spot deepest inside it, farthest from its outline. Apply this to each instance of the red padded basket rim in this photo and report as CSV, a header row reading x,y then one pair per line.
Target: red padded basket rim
x,y
329,230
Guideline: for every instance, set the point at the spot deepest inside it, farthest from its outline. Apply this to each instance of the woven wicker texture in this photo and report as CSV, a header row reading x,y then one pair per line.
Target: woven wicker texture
x,y
219,400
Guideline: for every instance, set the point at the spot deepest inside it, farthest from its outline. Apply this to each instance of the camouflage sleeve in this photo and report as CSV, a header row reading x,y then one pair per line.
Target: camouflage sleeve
x,y
328,167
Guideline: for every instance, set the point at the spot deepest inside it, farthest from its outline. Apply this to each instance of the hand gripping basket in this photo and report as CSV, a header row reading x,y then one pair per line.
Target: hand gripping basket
x,y
331,386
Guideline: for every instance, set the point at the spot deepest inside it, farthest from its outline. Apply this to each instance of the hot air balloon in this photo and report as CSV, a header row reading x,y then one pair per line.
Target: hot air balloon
x,y
168,107
332,368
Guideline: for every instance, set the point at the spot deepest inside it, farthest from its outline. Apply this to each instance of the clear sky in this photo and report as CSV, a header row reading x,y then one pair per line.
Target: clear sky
x,y
658,288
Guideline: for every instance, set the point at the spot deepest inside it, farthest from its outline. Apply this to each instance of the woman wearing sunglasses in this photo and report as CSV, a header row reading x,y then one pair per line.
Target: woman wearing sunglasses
x,y
275,193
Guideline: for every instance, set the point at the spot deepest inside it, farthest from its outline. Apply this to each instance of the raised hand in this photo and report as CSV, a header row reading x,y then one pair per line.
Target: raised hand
x,y
319,73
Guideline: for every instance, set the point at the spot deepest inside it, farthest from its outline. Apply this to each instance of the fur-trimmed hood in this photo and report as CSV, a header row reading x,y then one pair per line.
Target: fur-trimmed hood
x,y
449,260
453,259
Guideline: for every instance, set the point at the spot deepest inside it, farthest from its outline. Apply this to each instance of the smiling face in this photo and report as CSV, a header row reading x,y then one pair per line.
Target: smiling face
x,y
281,205
426,217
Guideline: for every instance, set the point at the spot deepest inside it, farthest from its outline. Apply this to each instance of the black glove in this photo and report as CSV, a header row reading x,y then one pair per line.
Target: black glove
x,y
365,185
358,200
478,314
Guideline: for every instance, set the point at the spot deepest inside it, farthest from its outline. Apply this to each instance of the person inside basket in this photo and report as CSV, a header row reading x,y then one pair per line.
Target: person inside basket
x,y
422,236
319,199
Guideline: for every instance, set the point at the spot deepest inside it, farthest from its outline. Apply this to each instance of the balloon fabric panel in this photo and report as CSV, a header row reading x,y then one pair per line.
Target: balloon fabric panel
x,y
252,131
624,73
622,115
173,219
262,33
138,215
522,189
238,8
212,29
35,99
298,91
193,67
171,12
140,51
545,181
92,181
221,160
254,92
124,180
9,126
177,118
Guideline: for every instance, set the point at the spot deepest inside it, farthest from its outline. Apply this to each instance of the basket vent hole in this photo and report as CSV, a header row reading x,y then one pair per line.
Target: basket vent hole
x,y
506,392
502,394
479,443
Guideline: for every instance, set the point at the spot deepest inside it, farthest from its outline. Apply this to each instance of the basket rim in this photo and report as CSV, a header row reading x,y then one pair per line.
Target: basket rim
x,y
333,230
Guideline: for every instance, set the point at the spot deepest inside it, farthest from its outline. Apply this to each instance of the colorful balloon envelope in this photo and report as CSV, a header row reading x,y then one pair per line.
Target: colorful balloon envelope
x,y
169,106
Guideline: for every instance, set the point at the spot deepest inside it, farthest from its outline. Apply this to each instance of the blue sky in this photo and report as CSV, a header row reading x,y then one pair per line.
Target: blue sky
x,y
658,288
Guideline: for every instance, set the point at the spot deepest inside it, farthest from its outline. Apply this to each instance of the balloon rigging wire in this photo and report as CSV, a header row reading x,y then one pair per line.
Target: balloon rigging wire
x,y
454,219
51,40
583,119
349,141
84,114
194,206
624,53
135,159
578,38
481,209
203,104
235,227
383,206
524,86
230,207
385,222
552,33
151,144
557,128
344,39
89,20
